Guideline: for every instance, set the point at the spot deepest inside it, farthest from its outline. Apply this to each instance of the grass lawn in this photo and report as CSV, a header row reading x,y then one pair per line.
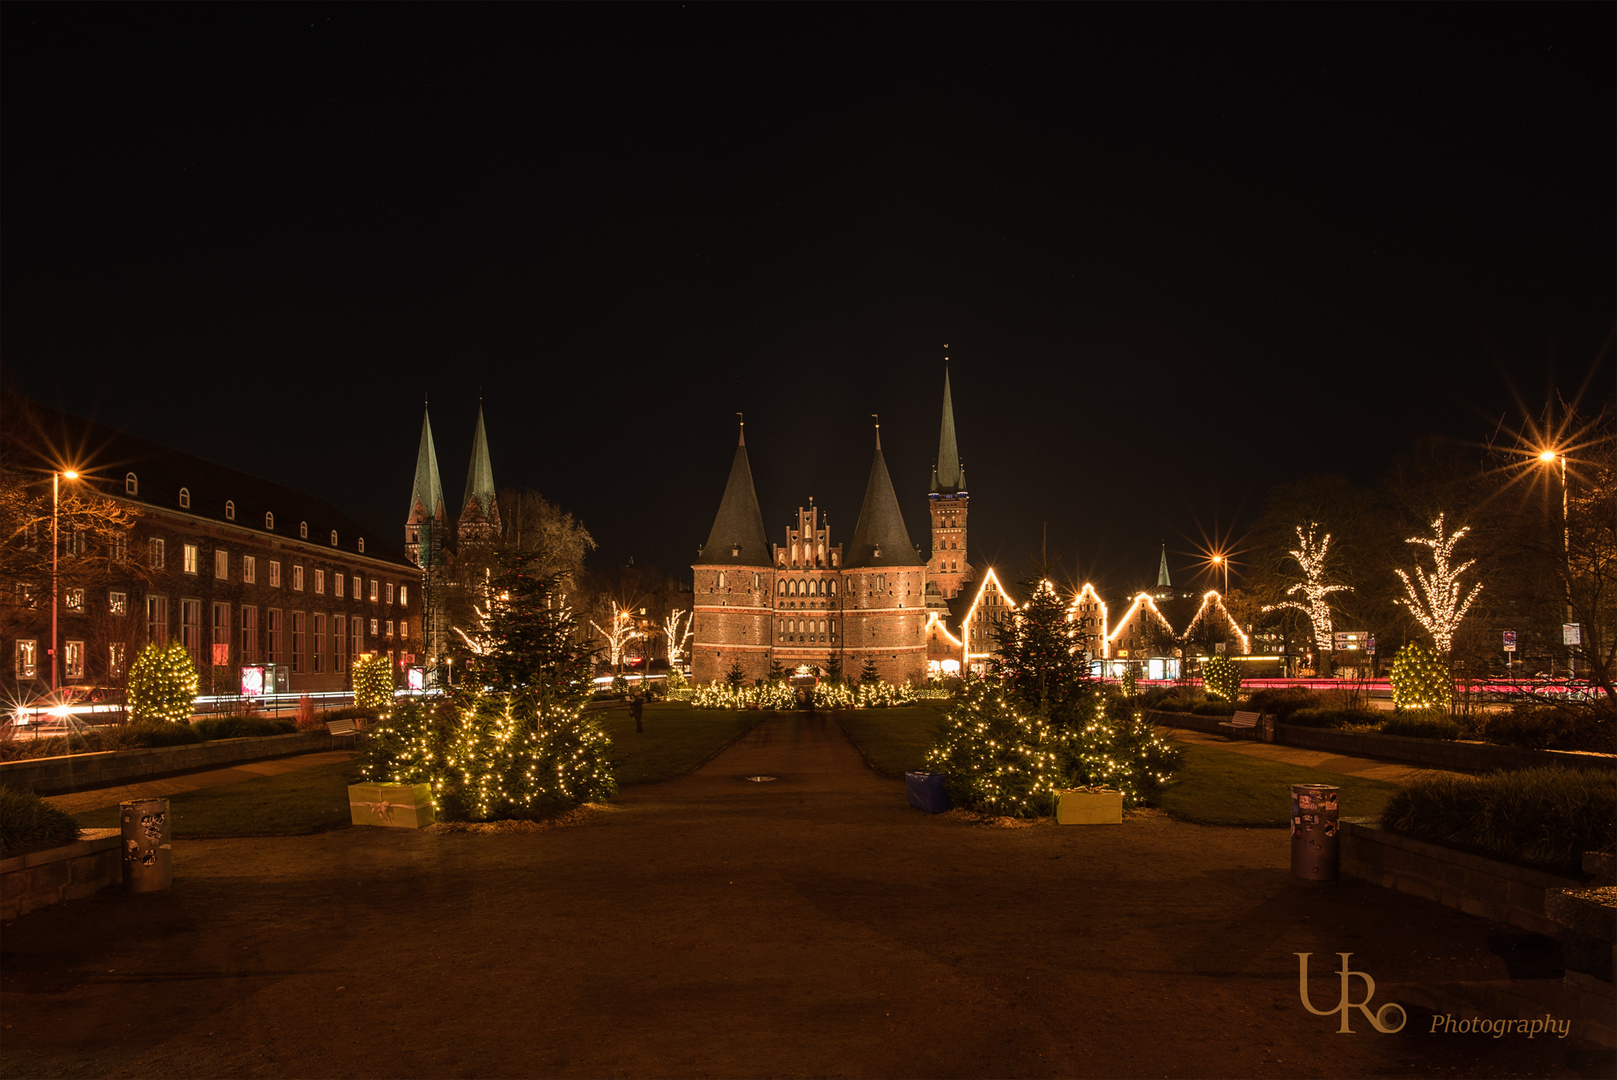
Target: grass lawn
x,y
677,739
306,801
1221,787
892,740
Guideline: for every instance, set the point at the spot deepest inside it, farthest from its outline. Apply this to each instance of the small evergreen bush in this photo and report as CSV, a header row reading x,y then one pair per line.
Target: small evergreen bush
x,y
1435,724
1549,816
1213,708
26,821
1221,678
1283,702
1420,679
152,734
1338,717
162,684
241,727
373,683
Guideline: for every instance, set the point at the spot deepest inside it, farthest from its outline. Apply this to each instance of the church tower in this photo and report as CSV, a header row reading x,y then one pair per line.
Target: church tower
x,y
479,516
948,568
734,584
427,526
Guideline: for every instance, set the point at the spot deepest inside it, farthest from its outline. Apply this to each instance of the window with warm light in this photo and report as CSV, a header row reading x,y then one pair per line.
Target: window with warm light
x,y
27,658
297,579
191,559
117,602
221,564
274,574
337,585
249,569
155,556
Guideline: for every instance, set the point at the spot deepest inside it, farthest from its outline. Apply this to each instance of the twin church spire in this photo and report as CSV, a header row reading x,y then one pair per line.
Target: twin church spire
x,y
426,530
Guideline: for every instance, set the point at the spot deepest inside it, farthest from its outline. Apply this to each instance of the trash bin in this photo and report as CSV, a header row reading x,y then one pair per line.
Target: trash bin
x,y
148,854
926,792
1315,845
1268,729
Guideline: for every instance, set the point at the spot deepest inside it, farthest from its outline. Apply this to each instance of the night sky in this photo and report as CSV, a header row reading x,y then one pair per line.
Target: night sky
x,y
1178,254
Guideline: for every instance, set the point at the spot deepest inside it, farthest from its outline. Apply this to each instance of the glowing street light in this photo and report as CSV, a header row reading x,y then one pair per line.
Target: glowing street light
x,y
1550,457
1220,560
56,498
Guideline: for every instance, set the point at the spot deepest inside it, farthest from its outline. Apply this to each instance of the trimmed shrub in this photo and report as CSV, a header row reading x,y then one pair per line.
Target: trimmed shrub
x,y
1435,725
1322,717
1549,816
242,727
1213,708
1555,727
347,712
162,684
26,821
1282,703
151,734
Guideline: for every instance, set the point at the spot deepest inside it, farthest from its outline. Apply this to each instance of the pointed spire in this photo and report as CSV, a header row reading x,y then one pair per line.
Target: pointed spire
x,y
427,493
948,476
738,536
479,506
1162,570
880,538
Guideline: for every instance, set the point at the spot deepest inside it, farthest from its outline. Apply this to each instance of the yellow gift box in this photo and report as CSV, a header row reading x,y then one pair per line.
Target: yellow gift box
x,y
399,806
1090,806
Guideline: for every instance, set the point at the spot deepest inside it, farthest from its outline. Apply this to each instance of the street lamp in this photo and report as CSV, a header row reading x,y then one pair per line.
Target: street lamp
x,y
1219,560
56,498
1549,457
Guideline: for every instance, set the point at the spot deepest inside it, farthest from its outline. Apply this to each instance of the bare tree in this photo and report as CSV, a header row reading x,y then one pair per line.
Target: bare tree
x,y
1437,604
1310,555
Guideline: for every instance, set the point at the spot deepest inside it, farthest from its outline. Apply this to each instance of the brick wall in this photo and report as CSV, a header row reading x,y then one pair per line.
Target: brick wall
x,y
732,621
36,879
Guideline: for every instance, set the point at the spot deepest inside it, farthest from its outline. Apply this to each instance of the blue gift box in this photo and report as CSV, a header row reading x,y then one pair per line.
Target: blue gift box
x,y
926,791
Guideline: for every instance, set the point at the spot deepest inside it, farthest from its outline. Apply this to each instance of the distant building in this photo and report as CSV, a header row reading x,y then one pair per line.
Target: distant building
x,y
807,602
245,573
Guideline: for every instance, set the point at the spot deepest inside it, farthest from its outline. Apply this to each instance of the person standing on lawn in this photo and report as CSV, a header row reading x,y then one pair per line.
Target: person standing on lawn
x,y
637,705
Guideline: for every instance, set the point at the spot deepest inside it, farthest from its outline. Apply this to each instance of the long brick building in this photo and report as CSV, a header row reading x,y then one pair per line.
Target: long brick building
x,y
806,601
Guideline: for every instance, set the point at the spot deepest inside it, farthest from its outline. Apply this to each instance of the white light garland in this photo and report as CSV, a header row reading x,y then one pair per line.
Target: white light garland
x,y
1312,560
1437,605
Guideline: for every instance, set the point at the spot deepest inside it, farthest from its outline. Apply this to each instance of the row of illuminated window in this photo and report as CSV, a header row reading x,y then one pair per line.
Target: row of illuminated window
x,y
191,563
302,639
808,587
806,629
132,487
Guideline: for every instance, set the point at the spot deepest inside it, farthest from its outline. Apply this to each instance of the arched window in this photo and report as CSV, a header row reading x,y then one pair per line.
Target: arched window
x,y
303,529
269,520
333,537
230,509
362,545
822,626
833,588
185,498
131,484
721,579
781,586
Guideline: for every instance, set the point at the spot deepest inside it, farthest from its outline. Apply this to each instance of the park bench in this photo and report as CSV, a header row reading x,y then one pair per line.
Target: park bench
x,y
342,729
1242,725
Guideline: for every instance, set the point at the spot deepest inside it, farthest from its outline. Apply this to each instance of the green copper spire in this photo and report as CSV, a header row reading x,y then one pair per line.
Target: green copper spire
x,y
1162,570
427,494
479,506
947,476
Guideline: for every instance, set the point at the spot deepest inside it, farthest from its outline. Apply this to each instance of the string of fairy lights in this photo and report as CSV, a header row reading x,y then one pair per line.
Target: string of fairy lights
x,y
1437,604
1311,554
162,684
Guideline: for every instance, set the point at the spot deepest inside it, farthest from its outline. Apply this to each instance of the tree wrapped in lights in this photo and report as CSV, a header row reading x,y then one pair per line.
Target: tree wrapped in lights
x,y
1310,554
677,637
1420,679
1437,604
619,631
1118,748
519,746
373,682
1221,677
997,758
162,684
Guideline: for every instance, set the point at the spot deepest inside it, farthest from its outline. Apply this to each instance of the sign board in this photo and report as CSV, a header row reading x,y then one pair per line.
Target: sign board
x,y
1571,633
1370,647
1349,640
252,681
1510,641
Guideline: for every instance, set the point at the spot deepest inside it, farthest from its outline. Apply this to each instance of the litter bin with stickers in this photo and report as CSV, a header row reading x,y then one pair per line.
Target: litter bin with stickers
x,y
1315,842
148,852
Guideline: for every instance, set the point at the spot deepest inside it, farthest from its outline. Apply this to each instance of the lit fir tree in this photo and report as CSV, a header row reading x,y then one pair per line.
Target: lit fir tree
x,y
996,758
776,671
529,642
868,675
735,676
1038,661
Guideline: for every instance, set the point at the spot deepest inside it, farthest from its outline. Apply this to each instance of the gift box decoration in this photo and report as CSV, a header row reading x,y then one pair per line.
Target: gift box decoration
x,y
926,792
399,806
1089,806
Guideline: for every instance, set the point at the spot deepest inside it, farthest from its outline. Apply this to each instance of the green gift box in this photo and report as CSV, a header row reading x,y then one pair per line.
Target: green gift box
x,y
1090,806
398,806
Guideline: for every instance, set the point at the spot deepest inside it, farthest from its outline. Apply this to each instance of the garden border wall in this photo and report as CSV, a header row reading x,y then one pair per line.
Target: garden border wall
x,y
30,880
108,768
1429,753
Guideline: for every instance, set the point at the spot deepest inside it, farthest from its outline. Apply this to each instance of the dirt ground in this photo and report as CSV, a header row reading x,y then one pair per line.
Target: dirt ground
x,y
809,925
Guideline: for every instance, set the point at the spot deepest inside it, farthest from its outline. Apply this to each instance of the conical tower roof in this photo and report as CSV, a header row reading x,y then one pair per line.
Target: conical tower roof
x,y
480,478
880,538
947,476
427,493
1162,570
738,537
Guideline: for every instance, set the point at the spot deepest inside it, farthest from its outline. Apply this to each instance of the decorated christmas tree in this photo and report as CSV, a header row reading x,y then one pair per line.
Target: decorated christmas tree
x,y
996,758
1420,679
162,684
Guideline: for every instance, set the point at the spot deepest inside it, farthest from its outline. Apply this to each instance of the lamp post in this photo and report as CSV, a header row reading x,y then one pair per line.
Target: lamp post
x,y
1549,457
1219,560
56,498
